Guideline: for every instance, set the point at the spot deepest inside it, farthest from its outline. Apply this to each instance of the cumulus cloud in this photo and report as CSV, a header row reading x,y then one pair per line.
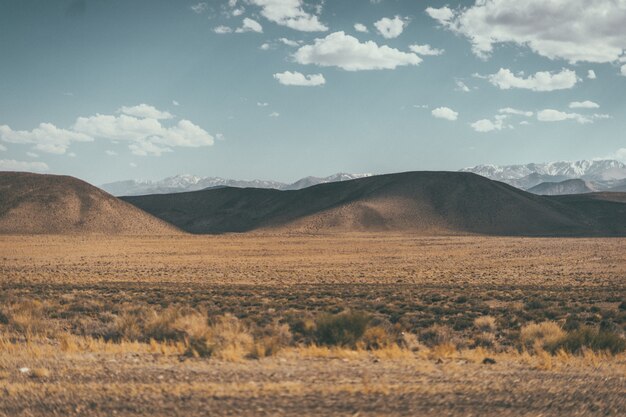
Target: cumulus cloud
x,y
540,81
551,115
390,28
290,13
200,7
262,104
140,125
587,104
516,112
486,125
360,27
460,86
145,111
425,50
274,114
445,113
346,52
591,74
222,30
250,25
299,79
574,30
45,138
288,42
13,165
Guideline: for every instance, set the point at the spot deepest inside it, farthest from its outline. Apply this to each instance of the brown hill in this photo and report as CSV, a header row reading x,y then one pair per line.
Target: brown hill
x,y
423,202
53,204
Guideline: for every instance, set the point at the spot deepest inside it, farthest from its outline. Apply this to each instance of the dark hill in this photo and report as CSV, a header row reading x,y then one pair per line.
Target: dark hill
x,y
422,202
55,204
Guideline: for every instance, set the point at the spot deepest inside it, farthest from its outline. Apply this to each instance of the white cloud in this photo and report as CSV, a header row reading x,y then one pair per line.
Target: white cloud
x,y
574,30
250,25
262,104
460,86
289,42
299,79
516,112
71,154
486,125
145,111
45,138
583,105
346,52
443,14
551,115
289,13
623,70
591,74
238,12
265,47
390,28
32,154
425,50
620,154
13,165
146,136
222,30
274,114
360,27
175,103
445,113
133,165
110,153
200,7
540,81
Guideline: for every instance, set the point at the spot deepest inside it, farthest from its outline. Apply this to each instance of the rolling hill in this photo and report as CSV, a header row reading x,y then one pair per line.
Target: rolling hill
x,y
575,186
54,204
422,202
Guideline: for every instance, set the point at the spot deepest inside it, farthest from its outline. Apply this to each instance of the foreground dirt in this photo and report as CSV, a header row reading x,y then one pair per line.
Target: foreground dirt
x,y
290,385
84,281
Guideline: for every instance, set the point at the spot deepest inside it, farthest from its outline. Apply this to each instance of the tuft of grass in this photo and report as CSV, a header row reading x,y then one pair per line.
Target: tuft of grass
x,y
344,329
541,336
590,338
485,324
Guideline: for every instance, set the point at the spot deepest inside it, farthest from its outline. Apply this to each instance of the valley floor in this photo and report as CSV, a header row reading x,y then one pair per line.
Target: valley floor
x,y
76,338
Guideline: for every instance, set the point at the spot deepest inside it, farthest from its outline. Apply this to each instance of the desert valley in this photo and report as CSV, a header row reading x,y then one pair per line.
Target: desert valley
x,y
365,297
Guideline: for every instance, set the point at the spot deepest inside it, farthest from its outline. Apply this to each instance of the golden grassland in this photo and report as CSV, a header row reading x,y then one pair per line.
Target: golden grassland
x,y
270,324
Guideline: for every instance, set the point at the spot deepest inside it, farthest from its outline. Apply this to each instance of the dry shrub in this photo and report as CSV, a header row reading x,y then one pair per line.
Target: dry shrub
x,y
541,336
344,329
376,337
126,326
485,324
437,335
27,317
195,331
39,373
229,339
271,339
590,338
409,342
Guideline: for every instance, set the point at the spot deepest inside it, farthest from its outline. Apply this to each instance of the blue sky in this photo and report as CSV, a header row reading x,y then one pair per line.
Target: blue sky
x,y
280,89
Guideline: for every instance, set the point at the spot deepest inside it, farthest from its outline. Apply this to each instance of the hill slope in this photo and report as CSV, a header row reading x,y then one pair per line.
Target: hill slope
x,y
53,204
425,202
575,186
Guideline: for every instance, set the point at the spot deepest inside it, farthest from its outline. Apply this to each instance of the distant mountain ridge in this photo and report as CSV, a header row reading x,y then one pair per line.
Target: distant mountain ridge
x,y
605,174
186,182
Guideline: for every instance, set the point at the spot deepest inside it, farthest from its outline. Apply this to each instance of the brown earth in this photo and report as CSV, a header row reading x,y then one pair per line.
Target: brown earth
x,y
53,204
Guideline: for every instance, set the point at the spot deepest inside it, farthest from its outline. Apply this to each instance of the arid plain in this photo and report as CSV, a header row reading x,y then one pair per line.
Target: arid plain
x,y
298,324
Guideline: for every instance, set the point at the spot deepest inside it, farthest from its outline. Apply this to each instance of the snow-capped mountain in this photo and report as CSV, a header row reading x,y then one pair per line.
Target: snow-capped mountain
x,y
602,172
182,183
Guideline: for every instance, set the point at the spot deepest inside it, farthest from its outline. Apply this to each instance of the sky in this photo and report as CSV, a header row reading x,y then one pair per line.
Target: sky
x,y
107,90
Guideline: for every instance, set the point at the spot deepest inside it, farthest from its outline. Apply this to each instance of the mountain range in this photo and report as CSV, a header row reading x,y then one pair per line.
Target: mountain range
x,y
601,175
421,203
182,183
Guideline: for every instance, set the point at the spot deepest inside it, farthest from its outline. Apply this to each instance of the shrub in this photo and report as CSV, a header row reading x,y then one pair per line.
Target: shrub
x,y
343,329
590,338
376,337
485,324
28,317
540,336
436,335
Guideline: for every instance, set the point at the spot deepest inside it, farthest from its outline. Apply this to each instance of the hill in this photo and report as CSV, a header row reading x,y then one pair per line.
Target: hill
x,y
575,186
54,204
423,202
